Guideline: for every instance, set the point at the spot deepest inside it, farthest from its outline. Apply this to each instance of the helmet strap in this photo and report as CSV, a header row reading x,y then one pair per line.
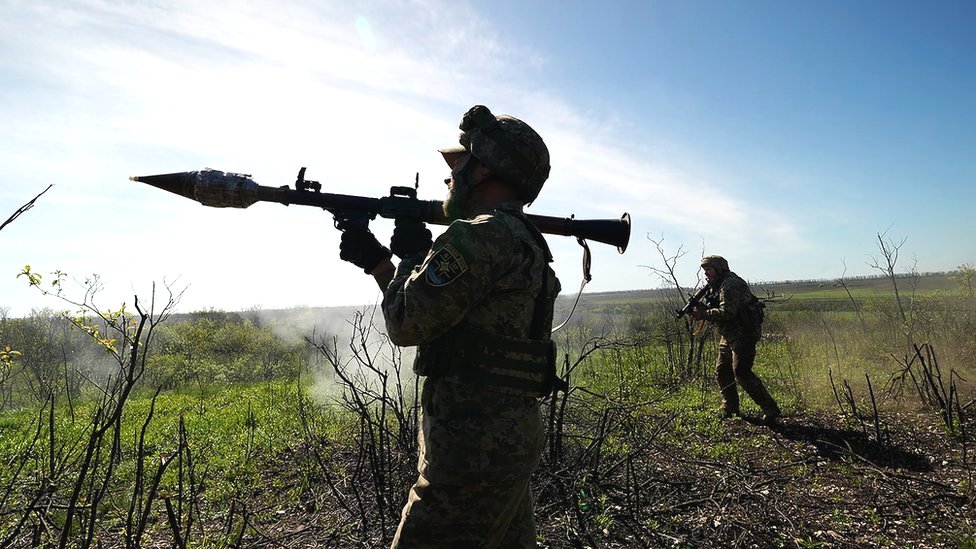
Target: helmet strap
x,y
465,174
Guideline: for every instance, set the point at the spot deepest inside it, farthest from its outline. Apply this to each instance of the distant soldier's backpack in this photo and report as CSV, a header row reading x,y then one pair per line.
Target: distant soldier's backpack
x,y
756,312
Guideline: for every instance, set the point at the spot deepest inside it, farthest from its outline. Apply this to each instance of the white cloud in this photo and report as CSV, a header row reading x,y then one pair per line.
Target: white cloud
x,y
104,90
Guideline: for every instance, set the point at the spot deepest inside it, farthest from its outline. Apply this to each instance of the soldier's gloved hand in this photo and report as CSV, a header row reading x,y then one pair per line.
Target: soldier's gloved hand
x,y
359,245
410,237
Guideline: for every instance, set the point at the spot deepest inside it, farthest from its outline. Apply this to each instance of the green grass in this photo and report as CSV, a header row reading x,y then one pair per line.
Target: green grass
x,y
241,435
229,429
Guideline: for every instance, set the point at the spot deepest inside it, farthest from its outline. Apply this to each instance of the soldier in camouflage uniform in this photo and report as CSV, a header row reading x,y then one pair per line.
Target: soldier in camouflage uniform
x,y
738,315
478,304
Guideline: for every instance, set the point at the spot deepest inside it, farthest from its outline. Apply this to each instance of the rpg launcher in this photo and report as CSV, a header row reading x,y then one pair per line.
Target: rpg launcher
x,y
692,301
234,190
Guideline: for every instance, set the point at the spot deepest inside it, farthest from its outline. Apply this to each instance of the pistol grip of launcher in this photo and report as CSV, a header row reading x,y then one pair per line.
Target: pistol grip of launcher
x,y
351,219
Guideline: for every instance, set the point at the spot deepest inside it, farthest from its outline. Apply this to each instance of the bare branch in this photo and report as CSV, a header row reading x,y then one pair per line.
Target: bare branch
x,y
24,208
667,274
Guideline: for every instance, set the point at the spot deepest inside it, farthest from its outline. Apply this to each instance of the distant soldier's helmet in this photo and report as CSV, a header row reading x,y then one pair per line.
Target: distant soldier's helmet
x,y
507,146
716,261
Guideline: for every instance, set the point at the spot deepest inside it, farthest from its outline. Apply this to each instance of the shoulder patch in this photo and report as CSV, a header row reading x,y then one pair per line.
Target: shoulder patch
x,y
446,266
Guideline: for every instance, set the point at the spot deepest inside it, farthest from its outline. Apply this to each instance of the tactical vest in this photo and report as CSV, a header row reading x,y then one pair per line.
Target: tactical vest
x,y
748,320
504,364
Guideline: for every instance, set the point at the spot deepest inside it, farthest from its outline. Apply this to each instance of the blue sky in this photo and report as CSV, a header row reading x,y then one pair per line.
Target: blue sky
x,y
783,135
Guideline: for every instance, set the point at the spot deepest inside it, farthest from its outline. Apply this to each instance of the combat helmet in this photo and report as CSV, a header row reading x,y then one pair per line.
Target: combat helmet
x,y
509,147
718,262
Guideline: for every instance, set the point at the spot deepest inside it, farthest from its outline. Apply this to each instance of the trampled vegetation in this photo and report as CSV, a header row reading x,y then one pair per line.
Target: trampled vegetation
x,y
141,428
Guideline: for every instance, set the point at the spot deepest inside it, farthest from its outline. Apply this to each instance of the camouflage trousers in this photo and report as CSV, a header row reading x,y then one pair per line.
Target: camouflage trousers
x,y
735,361
441,516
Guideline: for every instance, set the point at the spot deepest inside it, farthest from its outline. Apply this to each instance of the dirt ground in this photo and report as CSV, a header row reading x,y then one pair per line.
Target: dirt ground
x,y
811,481
814,480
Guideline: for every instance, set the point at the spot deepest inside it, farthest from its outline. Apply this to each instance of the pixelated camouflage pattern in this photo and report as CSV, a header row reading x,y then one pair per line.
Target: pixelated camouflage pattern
x,y
715,261
729,305
470,434
503,271
727,308
470,437
439,516
527,181
734,365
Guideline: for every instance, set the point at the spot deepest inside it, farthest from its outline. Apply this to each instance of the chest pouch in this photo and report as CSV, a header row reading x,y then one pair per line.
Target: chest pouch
x,y
503,364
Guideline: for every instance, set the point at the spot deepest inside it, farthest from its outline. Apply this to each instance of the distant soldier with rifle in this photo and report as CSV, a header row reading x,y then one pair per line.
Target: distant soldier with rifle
x,y
730,305
478,303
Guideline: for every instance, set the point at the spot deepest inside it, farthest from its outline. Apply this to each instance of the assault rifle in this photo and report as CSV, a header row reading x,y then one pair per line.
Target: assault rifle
x,y
693,301
234,190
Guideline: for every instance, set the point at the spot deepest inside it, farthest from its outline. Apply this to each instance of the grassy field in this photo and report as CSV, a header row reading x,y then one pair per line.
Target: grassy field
x,y
876,448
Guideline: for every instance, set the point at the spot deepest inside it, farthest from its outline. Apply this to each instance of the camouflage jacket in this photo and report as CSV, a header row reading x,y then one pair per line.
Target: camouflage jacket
x,y
485,272
731,306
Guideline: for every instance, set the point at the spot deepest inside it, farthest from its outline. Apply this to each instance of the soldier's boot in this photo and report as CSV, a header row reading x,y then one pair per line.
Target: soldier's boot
x,y
754,387
771,415
728,412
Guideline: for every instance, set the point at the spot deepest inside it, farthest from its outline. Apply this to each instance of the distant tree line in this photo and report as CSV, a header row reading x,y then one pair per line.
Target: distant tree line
x,y
908,275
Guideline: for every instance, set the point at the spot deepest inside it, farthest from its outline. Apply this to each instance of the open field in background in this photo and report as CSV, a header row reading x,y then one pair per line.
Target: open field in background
x,y
819,327
803,289
262,435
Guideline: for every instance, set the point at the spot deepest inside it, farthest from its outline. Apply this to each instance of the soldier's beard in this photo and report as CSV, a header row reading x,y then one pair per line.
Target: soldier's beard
x,y
716,278
458,203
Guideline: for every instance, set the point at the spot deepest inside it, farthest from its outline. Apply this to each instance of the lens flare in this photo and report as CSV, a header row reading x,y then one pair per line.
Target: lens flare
x,y
365,32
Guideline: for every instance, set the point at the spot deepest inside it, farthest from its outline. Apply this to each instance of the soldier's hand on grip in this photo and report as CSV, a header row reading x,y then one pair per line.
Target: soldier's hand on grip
x,y
359,245
410,237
